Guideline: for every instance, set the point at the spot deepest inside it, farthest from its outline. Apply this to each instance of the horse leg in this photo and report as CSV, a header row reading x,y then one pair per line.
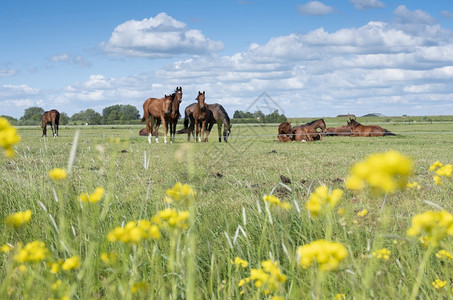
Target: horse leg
x,y
219,129
165,124
197,131
44,130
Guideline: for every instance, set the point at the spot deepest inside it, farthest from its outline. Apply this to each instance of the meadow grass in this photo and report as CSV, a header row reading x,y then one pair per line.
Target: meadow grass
x,y
228,218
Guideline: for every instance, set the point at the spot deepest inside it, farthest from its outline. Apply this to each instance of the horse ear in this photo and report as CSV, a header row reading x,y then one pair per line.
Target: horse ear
x,y
203,92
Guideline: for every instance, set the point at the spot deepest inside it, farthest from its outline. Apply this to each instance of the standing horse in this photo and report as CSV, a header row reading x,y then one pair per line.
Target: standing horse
x,y
51,117
309,131
220,116
156,108
369,130
172,119
201,115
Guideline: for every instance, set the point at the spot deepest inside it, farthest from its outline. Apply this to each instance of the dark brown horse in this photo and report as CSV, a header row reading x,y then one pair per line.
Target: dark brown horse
x,y
51,117
338,131
156,108
172,119
284,132
367,130
309,131
220,117
201,115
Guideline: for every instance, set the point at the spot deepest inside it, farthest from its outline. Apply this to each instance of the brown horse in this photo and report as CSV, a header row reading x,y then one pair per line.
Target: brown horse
x,y
338,131
201,115
220,117
369,130
51,117
284,132
156,108
173,117
309,131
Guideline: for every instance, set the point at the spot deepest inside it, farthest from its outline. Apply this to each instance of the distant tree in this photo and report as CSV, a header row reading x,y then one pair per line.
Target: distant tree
x,y
238,114
120,114
88,116
64,118
275,117
32,114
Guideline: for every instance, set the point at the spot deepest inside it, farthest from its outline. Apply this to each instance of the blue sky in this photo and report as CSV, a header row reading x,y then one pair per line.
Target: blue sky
x,y
313,58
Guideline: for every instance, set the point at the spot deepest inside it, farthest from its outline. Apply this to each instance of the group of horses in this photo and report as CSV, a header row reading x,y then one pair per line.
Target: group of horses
x,y
313,131
198,116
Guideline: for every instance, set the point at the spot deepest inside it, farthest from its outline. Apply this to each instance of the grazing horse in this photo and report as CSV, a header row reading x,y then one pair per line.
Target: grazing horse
x,y
51,117
201,115
369,130
284,132
338,131
156,108
220,116
309,130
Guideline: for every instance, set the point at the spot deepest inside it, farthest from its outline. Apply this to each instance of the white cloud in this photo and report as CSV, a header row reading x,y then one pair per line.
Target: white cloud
x,y
366,4
447,14
68,58
7,72
161,36
315,8
404,15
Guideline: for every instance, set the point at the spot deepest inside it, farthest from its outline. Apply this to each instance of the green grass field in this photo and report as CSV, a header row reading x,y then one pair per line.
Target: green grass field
x,y
228,217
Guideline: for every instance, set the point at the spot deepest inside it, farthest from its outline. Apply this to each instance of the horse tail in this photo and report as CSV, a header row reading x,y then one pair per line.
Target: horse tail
x,y
186,119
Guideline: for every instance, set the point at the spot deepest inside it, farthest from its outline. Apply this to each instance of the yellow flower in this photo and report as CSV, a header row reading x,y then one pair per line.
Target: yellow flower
x,y
18,219
322,201
382,254
93,197
383,172
71,263
139,286
437,180
171,219
181,193
438,284
6,248
133,232
413,185
8,137
445,170
327,255
109,258
441,171
340,297
58,174
362,213
435,225
56,285
23,268
268,278
443,254
274,201
341,211
435,165
35,251
240,262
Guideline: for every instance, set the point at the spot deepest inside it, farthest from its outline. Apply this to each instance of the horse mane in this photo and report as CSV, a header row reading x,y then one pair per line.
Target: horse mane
x,y
226,118
312,122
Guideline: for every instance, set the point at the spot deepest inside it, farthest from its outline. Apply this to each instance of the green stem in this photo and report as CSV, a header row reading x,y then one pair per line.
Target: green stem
x,y
421,271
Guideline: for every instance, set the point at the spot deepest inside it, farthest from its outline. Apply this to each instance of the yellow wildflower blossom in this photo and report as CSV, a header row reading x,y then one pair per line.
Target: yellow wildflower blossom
x,y
8,137
109,258
435,165
71,263
362,213
327,255
434,224
35,251
383,172
323,201
58,174
139,286
93,197
171,219
240,262
340,296
133,232
413,185
437,180
268,278
6,248
180,193
274,201
438,284
443,254
382,254
18,219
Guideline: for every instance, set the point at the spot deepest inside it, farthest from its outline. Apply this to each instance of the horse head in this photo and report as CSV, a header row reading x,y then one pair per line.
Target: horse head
x,y
201,100
322,125
178,94
167,104
352,123
226,132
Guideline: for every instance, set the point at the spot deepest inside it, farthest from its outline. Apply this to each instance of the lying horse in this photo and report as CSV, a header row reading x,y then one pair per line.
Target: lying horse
x,y
338,131
51,117
369,130
309,131
284,132
155,110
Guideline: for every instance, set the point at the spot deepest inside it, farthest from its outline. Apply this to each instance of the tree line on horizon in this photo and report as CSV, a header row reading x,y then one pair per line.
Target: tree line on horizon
x,y
126,114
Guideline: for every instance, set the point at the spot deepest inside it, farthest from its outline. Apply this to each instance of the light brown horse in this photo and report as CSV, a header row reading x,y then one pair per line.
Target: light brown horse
x,y
367,130
309,131
51,117
284,132
338,131
220,117
201,115
156,108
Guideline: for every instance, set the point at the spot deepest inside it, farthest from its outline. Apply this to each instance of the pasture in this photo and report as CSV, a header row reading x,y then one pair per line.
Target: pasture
x,y
228,217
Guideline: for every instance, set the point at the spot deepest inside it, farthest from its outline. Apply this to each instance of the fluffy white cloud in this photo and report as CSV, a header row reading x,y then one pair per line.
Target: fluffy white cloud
x,y
7,72
365,4
315,8
161,36
68,58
